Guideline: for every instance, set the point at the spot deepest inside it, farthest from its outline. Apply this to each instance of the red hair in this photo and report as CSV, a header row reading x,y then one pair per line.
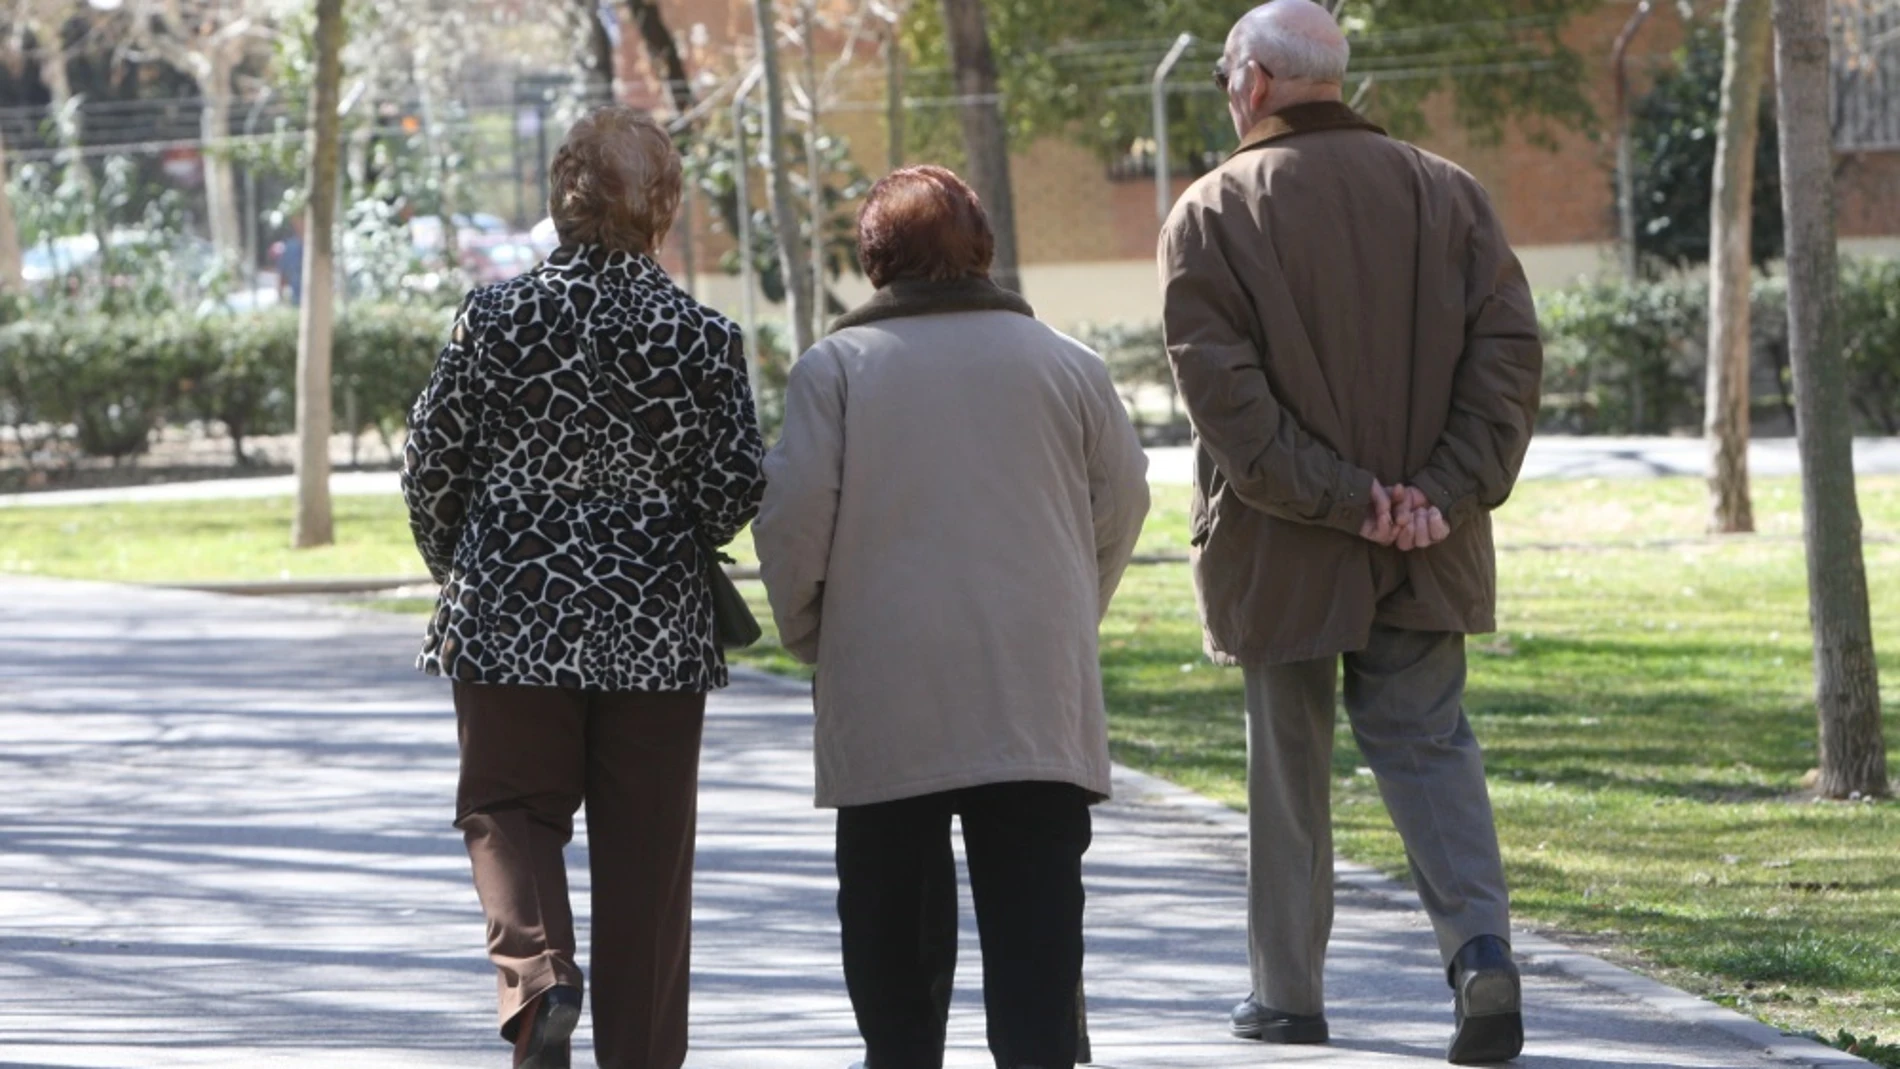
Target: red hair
x,y
924,223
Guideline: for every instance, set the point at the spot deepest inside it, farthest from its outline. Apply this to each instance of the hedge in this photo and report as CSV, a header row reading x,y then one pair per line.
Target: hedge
x,y
1621,358
1631,358
113,380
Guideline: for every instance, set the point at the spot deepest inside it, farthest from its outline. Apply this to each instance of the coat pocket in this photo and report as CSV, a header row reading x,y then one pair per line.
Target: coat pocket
x,y
1204,507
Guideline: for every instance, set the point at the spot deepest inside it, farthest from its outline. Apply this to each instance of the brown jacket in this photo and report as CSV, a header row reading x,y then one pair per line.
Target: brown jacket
x,y
1340,307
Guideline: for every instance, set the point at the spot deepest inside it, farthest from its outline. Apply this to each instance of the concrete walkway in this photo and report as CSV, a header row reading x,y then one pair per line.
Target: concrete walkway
x,y
1551,457
225,841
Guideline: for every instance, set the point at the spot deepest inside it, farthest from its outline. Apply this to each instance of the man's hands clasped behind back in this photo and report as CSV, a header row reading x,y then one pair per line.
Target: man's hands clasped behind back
x,y
1403,517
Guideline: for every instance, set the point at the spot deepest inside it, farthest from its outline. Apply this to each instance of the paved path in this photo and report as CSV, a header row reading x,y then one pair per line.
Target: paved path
x,y
1551,457
224,842
1560,457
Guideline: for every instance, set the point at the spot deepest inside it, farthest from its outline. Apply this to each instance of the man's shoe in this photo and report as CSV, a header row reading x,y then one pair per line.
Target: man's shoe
x,y
541,1039
1487,1006
1251,1020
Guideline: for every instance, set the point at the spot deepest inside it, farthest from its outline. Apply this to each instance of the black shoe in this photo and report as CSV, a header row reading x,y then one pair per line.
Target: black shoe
x,y
1487,1005
1251,1020
541,1039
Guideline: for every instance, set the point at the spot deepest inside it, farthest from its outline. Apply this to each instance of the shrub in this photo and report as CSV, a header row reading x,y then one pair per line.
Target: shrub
x,y
1624,358
1631,358
1137,358
384,354
1870,334
102,376
112,380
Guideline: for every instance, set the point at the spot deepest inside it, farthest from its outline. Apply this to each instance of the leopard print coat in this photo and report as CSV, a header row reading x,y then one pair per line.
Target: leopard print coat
x,y
562,539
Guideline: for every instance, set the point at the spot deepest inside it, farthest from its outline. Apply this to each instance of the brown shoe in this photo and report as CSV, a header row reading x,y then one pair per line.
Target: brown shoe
x,y
542,1034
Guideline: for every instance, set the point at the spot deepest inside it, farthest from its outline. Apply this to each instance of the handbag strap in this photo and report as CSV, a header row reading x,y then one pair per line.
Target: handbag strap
x,y
583,344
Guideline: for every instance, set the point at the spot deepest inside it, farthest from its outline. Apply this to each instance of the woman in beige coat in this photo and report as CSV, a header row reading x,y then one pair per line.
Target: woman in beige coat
x,y
956,496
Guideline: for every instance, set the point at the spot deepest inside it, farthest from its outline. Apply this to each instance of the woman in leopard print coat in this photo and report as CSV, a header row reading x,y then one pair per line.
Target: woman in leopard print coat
x,y
583,420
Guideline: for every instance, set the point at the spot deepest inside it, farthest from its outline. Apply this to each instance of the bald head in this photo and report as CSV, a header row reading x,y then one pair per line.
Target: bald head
x,y
1297,40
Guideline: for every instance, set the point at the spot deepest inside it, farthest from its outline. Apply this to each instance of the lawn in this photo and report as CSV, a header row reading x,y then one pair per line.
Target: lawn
x,y
1646,712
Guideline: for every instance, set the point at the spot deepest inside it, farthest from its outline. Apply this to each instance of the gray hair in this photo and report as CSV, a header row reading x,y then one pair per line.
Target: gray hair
x,y
1296,40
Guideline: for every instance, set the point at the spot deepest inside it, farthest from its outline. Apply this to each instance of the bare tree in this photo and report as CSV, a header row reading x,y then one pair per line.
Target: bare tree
x,y
593,49
797,271
45,21
1846,680
985,138
12,280
1625,145
208,40
313,525
663,52
893,17
1745,29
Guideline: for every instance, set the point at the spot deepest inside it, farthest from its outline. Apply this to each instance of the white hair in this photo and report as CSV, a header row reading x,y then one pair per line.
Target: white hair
x,y
1295,40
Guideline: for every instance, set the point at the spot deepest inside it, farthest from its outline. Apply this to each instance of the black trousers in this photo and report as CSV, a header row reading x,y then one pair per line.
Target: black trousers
x,y
897,905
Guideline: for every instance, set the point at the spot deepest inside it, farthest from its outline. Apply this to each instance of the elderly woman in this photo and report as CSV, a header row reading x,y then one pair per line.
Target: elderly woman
x,y
588,430
952,506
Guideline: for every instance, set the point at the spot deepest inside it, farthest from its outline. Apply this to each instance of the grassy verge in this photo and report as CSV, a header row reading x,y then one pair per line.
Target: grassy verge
x,y
1646,712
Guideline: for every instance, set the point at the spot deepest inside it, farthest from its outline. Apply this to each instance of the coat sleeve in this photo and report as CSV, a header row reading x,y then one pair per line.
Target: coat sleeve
x,y
729,481
1118,485
804,473
1263,452
442,460
1495,389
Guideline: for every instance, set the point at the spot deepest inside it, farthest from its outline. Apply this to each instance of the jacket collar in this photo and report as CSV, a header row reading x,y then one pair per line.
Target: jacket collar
x,y
1305,119
920,297
571,261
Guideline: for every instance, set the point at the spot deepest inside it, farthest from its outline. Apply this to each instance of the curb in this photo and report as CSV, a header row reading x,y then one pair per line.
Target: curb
x,y
425,586
1135,787
302,587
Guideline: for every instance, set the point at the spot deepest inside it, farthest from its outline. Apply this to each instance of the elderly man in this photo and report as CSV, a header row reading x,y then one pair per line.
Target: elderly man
x,y
1357,348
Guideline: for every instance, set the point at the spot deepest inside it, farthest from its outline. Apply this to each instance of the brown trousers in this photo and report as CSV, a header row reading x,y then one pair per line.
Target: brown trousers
x,y
531,757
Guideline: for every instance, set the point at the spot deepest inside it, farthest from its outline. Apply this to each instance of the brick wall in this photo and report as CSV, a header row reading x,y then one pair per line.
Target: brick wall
x,y
1070,212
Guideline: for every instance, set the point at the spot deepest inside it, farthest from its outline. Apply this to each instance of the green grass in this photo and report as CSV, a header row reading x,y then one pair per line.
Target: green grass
x,y
185,541
1646,713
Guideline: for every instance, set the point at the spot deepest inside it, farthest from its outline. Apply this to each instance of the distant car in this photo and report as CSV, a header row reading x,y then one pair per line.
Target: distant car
x,y
44,261
48,263
425,231
497,258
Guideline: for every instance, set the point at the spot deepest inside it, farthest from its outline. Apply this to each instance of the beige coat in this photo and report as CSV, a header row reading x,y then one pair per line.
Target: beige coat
x,y
951,508
1341,306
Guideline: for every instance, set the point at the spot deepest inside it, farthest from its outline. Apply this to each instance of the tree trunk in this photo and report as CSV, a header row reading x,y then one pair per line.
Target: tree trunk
x,y
68,123
663,52
985,138
894,98
313,525
814,172
221,200
1726,421
11,278
1847,691
1625,150
791,253
596,53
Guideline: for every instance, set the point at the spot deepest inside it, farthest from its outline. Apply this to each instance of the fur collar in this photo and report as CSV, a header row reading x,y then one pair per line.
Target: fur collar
x,y
918,297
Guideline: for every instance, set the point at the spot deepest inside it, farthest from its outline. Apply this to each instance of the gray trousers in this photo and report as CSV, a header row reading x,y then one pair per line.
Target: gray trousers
x,y
1405,699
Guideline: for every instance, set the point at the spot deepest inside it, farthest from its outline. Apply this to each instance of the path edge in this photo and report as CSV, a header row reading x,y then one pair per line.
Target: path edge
x,y
1136,787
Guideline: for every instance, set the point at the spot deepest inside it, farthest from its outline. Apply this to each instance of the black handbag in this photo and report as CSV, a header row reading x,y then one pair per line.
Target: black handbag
x,y
734,626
